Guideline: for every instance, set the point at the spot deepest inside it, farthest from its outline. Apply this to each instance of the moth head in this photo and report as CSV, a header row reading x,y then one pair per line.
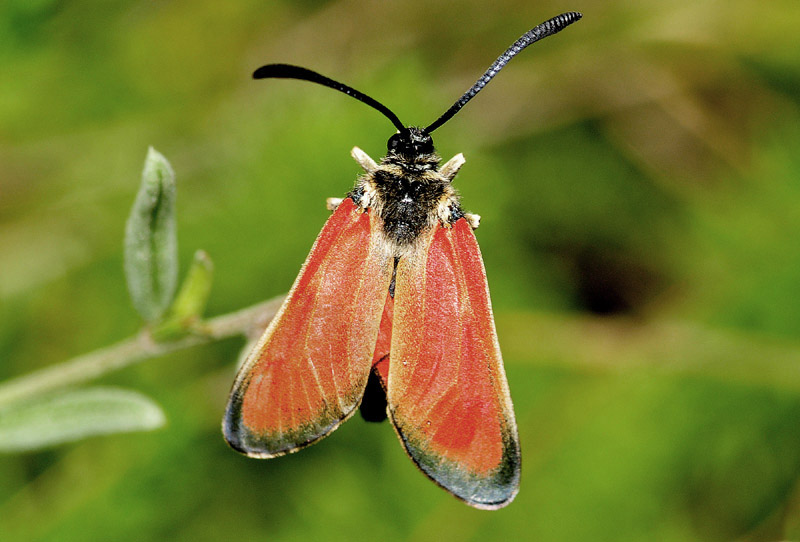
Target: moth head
x,y
410,142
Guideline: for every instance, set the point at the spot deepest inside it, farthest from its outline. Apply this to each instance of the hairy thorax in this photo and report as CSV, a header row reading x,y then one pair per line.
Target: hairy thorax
x,y
408,196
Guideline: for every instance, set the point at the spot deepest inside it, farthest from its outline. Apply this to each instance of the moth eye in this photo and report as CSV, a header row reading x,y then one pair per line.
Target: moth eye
x,y
394,142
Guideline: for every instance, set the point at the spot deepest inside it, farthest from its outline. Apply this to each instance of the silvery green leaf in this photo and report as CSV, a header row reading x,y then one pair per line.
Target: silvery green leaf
x,y
151,243
73,415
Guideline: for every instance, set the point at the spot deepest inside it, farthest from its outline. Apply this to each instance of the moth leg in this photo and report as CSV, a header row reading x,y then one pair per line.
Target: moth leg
x,y
473,220
363,159
333,203
452,166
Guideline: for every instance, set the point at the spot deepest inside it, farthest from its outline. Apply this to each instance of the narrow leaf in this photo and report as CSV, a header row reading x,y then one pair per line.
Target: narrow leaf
x,y
189,304
151,243
74,415
193,294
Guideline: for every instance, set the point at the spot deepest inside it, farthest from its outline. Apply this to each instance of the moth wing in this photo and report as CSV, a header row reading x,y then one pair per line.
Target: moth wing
x,y
308,372
447,392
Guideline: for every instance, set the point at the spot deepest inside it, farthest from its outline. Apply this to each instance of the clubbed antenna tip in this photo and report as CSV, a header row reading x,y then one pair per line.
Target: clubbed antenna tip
x,y
538,32
547,28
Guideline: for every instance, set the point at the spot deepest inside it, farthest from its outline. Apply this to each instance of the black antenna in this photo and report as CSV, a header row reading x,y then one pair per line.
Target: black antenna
x,y
287,71
547,28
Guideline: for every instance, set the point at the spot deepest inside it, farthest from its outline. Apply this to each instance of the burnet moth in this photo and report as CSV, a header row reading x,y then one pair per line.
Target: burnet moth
x,y
391,314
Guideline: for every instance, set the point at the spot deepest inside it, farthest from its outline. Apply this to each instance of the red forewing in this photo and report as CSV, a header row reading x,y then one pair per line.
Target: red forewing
x,y
309,370
447,391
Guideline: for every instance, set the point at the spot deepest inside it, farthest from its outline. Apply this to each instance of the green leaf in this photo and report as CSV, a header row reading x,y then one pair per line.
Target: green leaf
x,y
73,415
189,304
193,295
151,243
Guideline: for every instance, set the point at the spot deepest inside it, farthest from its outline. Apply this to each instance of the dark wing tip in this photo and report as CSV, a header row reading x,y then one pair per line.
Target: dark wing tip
x,y
491,492
486,492
268,445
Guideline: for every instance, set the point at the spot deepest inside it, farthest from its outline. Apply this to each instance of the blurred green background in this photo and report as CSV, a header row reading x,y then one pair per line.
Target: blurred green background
x,y
639,182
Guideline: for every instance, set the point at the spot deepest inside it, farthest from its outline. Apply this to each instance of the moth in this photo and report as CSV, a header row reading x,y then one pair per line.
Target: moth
x,y
391,313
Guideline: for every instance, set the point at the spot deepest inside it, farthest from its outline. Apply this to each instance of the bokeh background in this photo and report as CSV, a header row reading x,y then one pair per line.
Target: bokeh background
x,y
639,181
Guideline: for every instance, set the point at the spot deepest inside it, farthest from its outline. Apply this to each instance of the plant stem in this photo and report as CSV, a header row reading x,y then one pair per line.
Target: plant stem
x,y
248,322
